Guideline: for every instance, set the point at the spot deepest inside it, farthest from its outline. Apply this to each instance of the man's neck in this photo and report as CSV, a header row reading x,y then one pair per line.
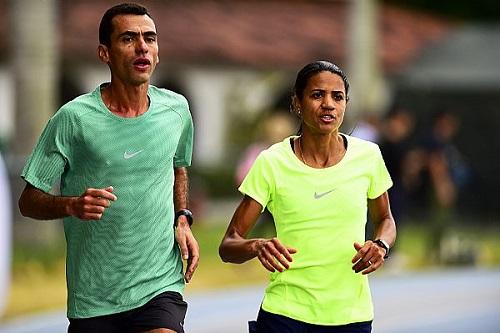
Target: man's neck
x,y
126,101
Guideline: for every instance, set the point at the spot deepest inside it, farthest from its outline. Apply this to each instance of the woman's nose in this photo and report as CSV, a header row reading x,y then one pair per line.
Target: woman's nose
x,y
327,102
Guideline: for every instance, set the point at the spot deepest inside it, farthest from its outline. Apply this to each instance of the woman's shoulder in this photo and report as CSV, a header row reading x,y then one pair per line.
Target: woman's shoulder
x,y
276,152
279,148
360,142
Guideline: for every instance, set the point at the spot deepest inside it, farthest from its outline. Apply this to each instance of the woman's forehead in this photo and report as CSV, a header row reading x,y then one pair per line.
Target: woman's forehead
x,y
326,80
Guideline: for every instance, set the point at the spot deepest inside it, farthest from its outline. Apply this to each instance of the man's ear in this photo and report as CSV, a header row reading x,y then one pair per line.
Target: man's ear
x,y
103,53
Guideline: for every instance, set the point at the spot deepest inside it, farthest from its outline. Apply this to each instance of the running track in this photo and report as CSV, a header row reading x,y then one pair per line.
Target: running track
x,y
457,301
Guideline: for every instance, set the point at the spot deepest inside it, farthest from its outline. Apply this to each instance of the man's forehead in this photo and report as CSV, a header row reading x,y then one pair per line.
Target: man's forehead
x,y
138,23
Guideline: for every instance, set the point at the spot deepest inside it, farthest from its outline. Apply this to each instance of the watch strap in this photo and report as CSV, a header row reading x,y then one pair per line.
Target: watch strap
x,y
184,212
383,244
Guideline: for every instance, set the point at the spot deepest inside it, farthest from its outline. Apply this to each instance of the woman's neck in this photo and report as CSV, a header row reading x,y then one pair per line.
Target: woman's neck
x,y
320,151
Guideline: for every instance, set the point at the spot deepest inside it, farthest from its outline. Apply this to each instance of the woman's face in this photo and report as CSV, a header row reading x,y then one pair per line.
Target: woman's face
x,y
323,103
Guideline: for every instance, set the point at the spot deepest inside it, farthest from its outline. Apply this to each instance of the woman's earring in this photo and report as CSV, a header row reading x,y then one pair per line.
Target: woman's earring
x,y
295,110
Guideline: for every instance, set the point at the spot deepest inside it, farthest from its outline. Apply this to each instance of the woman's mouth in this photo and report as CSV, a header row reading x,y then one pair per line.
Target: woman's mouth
x,y
327,118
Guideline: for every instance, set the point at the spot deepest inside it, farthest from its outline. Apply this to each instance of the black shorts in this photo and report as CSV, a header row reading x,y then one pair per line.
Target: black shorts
x,y
272,323
167,310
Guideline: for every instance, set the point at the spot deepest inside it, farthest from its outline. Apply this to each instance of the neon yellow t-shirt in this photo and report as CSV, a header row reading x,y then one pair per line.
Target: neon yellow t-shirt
x,y
321,213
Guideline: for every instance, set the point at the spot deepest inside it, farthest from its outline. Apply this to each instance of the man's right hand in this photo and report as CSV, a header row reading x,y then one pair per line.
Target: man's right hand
x,y
92,203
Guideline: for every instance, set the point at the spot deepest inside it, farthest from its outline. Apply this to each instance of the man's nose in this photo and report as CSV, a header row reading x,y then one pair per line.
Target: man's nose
x,y
142,46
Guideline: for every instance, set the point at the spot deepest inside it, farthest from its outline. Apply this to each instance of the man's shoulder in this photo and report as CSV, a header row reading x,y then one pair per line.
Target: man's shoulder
x,y
77,107
166,97
79,104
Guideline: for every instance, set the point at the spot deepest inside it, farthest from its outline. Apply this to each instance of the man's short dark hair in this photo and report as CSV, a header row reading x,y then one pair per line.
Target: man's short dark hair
x,y
106,26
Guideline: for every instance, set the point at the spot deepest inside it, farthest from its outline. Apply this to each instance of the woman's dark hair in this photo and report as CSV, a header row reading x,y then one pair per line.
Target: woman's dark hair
x,y
106,26
313,68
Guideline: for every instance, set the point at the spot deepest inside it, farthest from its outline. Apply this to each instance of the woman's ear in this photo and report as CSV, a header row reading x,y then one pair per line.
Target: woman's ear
x,y
295,106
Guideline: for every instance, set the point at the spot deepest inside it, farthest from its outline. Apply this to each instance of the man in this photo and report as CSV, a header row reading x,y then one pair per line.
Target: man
x,y
121,153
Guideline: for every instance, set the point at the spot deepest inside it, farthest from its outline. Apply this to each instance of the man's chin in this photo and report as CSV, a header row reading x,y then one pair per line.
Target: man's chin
x,y
144,79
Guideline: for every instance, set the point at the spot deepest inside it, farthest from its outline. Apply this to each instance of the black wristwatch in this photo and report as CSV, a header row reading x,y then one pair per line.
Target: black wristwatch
x,y
187,213
383,244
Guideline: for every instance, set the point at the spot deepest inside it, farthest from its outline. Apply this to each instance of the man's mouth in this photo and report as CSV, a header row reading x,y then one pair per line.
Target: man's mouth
x,y
142,63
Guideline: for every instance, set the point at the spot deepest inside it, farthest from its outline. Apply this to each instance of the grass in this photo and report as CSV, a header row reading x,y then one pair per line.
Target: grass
x,y
38,282
35,288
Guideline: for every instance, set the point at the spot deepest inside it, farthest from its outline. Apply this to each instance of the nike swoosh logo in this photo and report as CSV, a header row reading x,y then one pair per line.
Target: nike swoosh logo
x,y
320,195
127,155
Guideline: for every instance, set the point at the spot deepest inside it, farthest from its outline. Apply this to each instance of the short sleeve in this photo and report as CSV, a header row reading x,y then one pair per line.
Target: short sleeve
x,y
380,179
259,181
51,153
183,154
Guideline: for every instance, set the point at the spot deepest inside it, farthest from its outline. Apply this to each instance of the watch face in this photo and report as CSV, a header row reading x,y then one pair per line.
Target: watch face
x,y
184,212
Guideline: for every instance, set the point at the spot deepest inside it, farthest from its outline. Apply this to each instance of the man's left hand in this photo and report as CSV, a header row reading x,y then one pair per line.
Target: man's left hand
x,y
188,245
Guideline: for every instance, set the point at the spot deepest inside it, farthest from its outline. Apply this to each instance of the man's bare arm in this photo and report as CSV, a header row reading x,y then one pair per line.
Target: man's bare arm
x,y
181,188
90,205
188,245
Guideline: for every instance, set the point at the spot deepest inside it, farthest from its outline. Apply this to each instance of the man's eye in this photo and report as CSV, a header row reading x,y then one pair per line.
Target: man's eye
x,y
316,95
339,97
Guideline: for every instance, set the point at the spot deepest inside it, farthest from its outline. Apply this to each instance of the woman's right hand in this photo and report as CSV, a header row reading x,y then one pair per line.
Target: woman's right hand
x,y
273,255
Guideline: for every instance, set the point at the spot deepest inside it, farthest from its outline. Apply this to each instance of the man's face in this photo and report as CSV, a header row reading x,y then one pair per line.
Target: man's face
x,y
133,53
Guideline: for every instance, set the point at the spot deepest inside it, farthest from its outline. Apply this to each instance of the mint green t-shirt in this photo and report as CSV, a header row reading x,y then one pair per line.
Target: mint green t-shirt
x,y
129,256
321,213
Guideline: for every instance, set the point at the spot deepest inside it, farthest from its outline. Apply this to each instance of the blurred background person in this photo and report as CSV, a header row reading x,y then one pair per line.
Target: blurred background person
x,y
5,234
395,144
448,173
273,128
367,127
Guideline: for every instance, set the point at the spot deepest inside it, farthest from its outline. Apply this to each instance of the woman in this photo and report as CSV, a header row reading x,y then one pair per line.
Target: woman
x,y
318,185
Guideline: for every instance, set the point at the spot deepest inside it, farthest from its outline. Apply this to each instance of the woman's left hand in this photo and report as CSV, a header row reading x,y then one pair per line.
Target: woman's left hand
x,y
369,257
